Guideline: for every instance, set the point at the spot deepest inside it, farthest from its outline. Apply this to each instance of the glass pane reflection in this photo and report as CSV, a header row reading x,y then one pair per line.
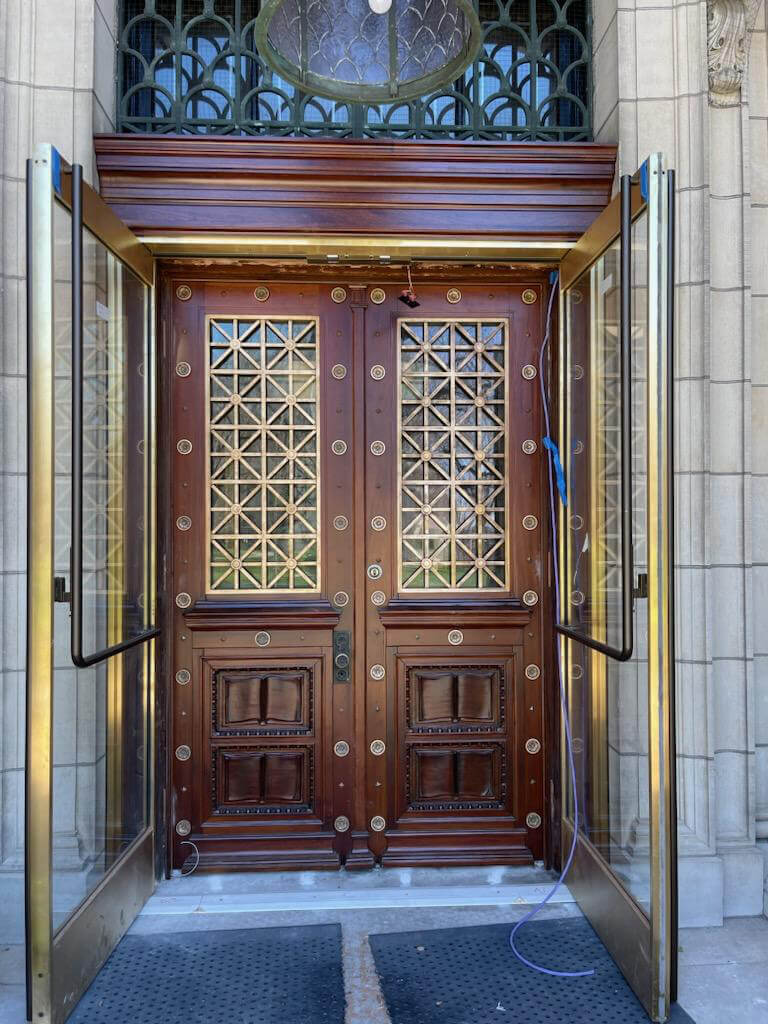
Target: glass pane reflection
x,y
594,592
608,699
100,732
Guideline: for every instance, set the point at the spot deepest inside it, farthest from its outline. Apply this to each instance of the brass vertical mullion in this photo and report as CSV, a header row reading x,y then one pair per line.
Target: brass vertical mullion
x,y
660,599
562,644
114,569
40,571
149,549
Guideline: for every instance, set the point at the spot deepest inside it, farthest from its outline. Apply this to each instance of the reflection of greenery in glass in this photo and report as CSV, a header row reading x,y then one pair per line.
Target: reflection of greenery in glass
x,y
182,72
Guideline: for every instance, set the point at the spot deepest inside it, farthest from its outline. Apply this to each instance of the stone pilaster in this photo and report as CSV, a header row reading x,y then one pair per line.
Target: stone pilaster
x,y
756,89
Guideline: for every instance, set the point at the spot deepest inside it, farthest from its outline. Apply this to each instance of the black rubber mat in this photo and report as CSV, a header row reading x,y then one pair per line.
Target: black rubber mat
x,y
242,976
471,976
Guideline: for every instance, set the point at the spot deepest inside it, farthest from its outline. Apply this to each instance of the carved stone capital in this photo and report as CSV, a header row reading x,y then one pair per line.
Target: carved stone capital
x,y
728,26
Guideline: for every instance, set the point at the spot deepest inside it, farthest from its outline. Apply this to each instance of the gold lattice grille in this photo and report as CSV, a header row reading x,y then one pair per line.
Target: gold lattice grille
x,y
453,458
263,481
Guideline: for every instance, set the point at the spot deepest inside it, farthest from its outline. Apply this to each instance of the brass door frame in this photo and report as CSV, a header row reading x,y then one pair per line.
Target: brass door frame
x,y
643,945
338,249
61,964
103,222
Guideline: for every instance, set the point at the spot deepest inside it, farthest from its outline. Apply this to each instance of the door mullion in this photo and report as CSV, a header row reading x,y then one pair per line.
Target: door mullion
x,y
358,487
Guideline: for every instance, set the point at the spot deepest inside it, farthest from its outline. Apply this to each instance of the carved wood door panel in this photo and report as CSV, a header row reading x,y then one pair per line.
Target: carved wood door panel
x,y
455,620
356,567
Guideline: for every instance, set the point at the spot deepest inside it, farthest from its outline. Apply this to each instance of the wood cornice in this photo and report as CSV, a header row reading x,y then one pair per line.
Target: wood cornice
x,y
233,614
183,185
400,612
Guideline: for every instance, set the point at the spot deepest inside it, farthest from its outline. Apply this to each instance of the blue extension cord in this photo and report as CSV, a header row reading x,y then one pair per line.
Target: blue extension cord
x,y
553,460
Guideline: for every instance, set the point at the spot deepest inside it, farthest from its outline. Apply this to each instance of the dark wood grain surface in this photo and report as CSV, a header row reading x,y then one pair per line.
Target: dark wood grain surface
x,y
183,185
263,786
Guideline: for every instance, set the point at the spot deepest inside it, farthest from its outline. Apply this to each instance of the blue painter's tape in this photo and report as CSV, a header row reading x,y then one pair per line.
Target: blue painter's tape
x,y
552,448
644,180
56,170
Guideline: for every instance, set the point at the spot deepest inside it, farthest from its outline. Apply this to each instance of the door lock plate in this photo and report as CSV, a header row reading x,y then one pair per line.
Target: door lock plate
x,y
341,659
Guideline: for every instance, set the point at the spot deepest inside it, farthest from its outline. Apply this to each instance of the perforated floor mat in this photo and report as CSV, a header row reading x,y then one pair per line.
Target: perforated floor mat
x,y
471,976
239,976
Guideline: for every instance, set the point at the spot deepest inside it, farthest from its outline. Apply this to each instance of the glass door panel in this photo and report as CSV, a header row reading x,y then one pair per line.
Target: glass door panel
x,y
615,566
115,449
100,783
595,535
91,598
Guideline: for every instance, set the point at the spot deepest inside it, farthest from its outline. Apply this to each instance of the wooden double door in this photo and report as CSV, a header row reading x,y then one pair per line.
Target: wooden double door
x,y
356,571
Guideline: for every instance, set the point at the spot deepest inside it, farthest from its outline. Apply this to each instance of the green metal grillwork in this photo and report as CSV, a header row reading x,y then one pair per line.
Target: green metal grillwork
x,y
191,67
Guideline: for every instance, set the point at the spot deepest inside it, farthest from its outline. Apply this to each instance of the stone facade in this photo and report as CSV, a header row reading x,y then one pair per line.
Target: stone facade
x,y
686,77
757,218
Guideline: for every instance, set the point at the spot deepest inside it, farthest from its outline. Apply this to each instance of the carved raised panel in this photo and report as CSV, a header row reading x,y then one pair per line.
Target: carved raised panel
x,y
273,780
455,778
466,698
271,701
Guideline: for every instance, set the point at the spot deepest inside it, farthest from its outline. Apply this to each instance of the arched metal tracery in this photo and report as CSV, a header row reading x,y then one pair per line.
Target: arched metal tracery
x,y
191,66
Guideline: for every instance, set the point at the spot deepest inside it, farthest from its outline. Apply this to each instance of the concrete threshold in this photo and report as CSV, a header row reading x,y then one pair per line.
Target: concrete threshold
x,y
378,889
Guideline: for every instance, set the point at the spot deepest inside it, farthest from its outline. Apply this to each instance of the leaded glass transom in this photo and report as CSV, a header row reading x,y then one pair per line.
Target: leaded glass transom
x,y
192,66
263,481
453,459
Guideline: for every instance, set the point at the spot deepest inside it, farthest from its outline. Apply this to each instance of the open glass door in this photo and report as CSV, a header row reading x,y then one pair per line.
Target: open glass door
x,y
91,595
615,572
